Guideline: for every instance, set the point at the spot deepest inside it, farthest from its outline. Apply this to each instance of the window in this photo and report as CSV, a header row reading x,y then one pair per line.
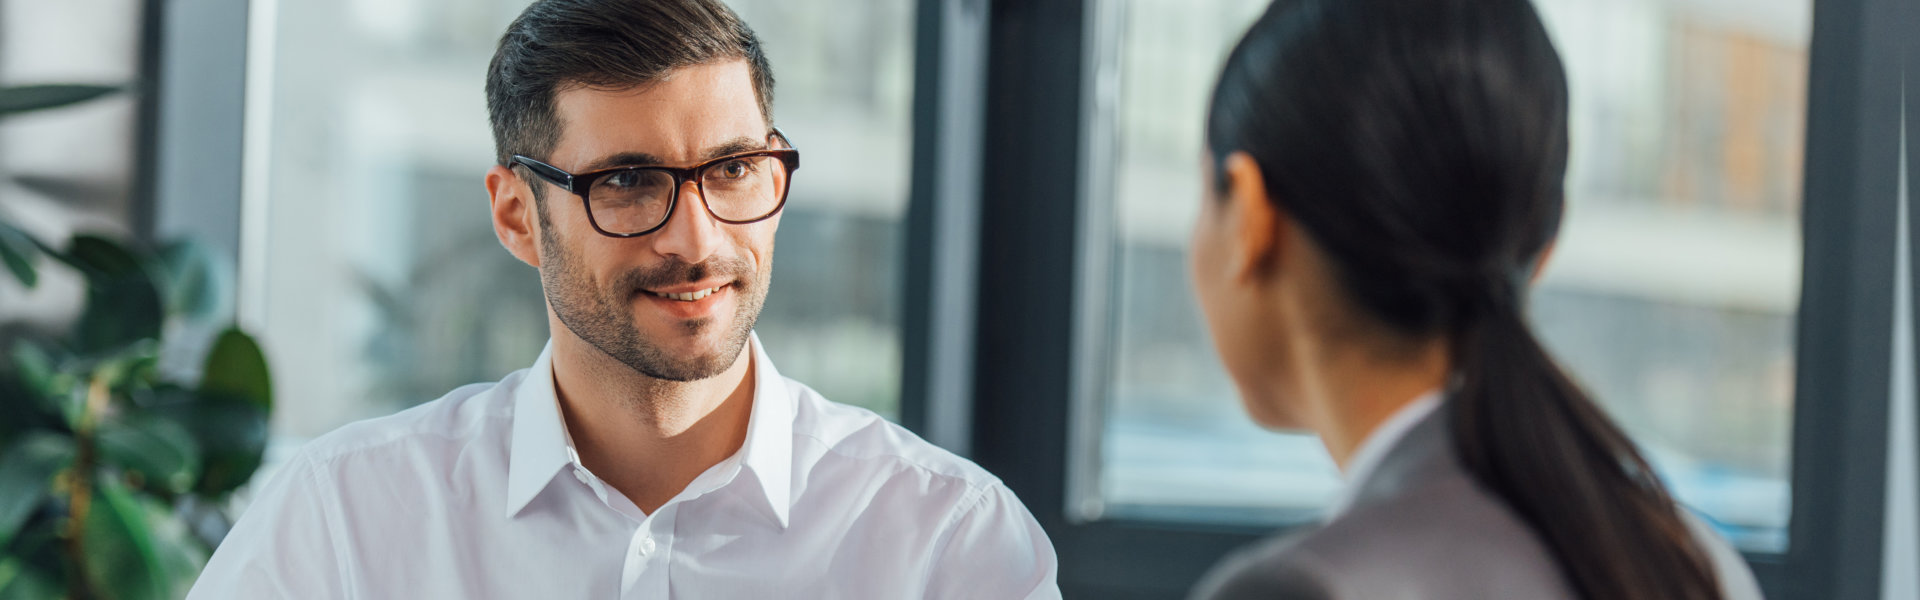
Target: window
x,y
1672,290
1175,436
845,68
1670,295
380,284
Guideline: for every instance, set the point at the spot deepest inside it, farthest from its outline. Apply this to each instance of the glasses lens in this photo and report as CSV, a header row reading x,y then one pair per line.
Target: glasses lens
x,y
745,188
631,201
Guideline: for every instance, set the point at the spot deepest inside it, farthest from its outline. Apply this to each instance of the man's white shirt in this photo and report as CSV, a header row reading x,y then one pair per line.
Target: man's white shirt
x,y
479,494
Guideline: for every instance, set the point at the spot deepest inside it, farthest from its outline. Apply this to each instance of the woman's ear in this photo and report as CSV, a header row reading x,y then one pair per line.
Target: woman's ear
x,y
1253,220
1540,262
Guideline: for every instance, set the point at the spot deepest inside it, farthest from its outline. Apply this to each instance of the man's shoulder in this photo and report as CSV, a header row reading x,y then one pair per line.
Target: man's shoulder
x,y
836,431
467,414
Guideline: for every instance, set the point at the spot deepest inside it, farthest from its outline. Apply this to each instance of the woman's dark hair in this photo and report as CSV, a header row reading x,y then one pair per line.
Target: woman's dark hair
x,y
1422,144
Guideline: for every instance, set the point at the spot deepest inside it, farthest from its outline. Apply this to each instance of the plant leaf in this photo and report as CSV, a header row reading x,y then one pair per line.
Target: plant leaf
x,y
26,477
25,98
96,255
34,392
232,437
180,556
236,368
79,192
19,581
19,405
122,560
160,450
193,284
39,548
34,364
19,251
123,300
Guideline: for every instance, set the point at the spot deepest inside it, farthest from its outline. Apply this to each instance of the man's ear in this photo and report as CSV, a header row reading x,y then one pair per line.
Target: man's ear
x,y
1253,220
514,219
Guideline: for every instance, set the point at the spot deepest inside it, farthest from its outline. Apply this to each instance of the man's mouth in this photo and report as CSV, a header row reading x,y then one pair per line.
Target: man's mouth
x,y
688,296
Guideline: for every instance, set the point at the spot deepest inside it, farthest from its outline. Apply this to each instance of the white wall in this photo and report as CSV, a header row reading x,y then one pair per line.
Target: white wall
x,y
89,145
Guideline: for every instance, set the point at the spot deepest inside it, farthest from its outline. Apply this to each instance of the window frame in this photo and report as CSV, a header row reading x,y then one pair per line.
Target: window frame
x,y
1013,380
1039,356
1909,114
1844,334
943,222
190,161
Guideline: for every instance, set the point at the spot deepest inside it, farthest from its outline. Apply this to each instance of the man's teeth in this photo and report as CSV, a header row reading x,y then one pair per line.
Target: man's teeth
x,y
689,296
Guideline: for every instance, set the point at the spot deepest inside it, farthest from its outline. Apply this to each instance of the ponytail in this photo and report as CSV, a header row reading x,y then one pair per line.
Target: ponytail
x,y
1528,433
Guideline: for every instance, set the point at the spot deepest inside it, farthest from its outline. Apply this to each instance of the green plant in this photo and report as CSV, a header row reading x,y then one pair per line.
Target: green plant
x,y
113,464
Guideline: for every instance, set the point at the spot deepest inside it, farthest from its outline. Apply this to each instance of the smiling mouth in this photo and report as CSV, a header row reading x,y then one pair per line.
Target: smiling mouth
x,y
688,296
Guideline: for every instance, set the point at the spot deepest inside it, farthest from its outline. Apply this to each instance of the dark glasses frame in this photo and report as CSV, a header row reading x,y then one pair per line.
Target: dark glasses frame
x,y
579,184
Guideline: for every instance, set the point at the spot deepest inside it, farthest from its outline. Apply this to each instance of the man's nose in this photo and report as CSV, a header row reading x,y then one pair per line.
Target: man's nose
x,y
691,233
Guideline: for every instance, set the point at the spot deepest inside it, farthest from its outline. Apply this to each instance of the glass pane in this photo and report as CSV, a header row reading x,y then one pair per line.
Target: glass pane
x,y
1670,295
1176,438
383,285
845,100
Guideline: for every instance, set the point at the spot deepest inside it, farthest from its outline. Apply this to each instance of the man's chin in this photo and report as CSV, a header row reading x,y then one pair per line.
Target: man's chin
x,y
685,337
683,357
692,368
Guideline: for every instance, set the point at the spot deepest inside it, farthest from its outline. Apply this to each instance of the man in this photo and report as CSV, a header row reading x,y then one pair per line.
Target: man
x,y
652,451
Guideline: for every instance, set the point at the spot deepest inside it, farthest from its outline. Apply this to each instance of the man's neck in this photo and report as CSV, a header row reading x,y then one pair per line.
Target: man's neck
x,y
648,437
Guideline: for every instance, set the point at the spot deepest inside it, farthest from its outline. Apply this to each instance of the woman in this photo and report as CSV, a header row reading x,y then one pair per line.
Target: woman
x,y
1385,180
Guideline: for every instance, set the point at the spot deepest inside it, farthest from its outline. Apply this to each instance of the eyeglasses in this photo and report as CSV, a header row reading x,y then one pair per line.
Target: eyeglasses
x,y
626,202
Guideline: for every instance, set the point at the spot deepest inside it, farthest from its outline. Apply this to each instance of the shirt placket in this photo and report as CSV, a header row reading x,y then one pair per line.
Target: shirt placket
x,y
644,568
644,573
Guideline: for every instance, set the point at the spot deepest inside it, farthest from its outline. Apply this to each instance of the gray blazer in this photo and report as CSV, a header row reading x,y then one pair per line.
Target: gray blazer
x,y
1421,528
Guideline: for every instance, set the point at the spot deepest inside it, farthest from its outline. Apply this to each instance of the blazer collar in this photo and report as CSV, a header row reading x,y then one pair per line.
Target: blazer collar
x,y
1424,452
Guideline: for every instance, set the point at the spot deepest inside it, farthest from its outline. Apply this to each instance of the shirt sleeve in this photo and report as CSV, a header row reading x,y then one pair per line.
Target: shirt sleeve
x,y
994,549
284,546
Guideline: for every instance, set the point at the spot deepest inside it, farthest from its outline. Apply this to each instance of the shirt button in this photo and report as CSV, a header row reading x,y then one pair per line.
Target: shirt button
x,y
646,546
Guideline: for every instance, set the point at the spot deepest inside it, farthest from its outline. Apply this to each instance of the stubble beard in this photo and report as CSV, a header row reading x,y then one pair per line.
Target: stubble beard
x,y
604,317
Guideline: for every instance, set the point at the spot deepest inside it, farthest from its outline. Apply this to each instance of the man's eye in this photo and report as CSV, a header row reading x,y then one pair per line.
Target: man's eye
x,y
735,169
624,179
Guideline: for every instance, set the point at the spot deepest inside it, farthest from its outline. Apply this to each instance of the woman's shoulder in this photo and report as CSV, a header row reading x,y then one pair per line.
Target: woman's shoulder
x,y
1441,539
1266,570
1729,568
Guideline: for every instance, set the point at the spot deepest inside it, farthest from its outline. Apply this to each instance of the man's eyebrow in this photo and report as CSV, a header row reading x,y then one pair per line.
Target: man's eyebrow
x,y
735,146
642,159
623,159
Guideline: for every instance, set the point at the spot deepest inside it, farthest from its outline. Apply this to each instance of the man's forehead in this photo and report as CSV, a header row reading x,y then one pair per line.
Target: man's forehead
x,y
642,159
691,114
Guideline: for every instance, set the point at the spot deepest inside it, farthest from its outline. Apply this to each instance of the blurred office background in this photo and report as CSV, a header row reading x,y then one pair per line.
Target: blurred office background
x,y
333,152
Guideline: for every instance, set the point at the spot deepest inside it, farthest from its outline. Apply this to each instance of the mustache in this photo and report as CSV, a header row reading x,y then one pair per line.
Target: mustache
x,y
675,271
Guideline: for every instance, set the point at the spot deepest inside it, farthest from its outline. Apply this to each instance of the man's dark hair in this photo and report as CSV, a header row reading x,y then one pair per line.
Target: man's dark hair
x,y
613,44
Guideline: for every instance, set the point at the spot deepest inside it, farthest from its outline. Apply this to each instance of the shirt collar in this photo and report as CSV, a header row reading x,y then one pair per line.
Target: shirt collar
x,y
540,446
768,450
1379,442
